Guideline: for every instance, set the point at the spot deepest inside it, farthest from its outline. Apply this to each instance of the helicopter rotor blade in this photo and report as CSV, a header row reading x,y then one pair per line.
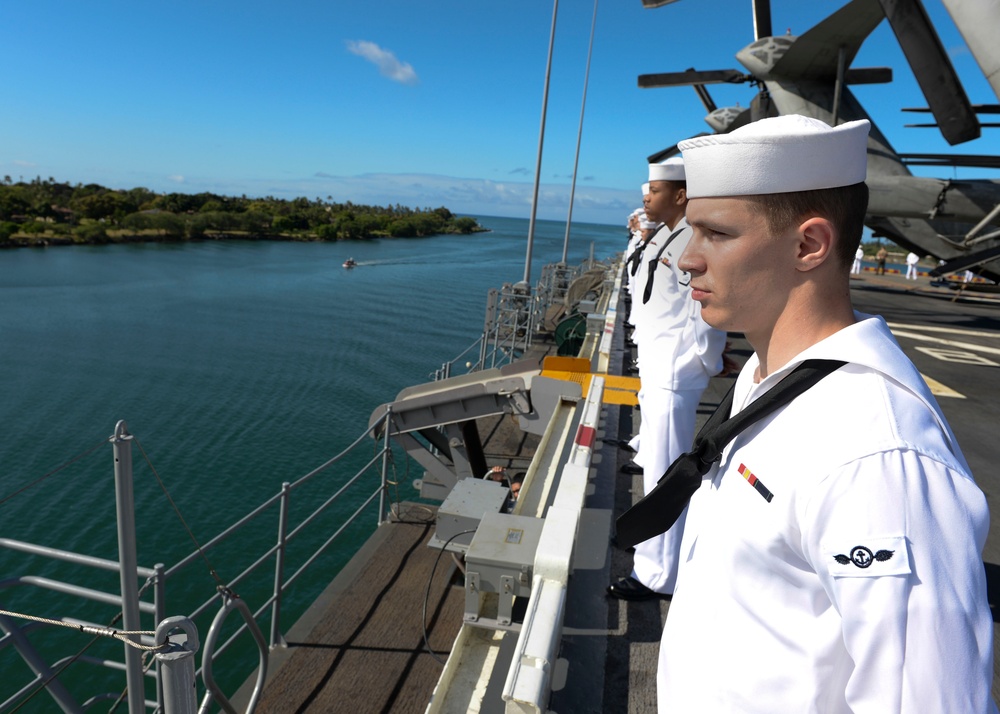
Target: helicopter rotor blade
x,y
691,77
761,19
933,69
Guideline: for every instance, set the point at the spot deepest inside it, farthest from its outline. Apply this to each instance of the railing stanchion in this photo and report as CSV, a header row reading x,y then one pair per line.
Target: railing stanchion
x,y
279,566
159,615
176,666
387,420
125,502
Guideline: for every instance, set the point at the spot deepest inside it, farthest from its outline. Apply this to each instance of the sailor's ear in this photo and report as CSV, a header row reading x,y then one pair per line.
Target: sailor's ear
x,y
816,238
682,196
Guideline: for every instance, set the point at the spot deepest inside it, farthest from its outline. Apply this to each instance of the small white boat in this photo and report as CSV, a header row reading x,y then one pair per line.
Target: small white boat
x,y
350,263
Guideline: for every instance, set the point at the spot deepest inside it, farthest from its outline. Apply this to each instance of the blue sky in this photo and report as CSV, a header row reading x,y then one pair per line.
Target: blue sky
x,y
418,103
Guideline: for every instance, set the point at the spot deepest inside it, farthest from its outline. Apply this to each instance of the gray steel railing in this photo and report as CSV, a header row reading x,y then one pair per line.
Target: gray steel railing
x,y
513,316
223,600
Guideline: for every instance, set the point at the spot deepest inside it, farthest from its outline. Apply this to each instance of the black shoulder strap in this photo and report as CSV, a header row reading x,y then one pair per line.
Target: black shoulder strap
x,y
648,290
632,263
662,506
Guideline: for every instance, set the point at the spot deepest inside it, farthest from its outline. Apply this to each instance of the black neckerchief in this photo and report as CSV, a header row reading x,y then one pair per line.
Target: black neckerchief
x,y
661,507
648,290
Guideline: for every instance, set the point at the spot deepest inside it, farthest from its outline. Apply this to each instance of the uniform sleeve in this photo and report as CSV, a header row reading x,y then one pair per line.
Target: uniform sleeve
x,y
896,539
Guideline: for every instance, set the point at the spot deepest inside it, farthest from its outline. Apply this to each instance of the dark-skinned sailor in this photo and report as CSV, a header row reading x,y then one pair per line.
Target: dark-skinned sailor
x,y
678,354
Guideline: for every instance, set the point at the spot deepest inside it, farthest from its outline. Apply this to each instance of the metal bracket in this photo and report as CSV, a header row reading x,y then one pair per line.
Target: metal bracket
x,y
471,597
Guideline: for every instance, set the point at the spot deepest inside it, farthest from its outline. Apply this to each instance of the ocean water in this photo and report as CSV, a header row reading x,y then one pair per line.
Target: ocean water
x,y
236,365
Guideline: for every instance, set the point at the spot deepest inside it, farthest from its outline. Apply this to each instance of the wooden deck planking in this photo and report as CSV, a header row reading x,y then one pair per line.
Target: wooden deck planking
x,y
366,653
363,650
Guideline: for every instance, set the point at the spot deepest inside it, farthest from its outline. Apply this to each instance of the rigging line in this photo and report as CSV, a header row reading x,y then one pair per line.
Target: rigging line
x,y
91,630
220,585
147,662
74,658
541,141
54,471
579,135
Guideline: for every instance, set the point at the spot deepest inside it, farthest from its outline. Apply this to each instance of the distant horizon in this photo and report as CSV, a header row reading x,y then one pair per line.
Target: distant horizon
x,y
190,191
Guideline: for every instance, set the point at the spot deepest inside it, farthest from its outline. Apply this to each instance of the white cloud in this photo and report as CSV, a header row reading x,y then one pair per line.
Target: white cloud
x,y
388,65
176,178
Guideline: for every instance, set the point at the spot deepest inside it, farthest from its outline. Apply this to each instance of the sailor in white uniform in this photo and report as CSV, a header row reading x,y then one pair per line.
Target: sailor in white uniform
x,y
678,354
832,561
636,281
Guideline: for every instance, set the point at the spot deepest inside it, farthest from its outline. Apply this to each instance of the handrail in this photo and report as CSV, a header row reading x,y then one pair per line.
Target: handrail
x,y
529,679
161,574
214,692
223,535
69,556
510,331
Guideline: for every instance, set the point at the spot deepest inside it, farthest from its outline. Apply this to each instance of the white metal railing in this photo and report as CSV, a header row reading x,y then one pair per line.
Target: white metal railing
x,y
513,314
529,679
16,637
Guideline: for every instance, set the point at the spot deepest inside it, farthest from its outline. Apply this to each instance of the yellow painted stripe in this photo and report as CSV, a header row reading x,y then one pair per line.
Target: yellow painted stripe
x,y
940,390
617,389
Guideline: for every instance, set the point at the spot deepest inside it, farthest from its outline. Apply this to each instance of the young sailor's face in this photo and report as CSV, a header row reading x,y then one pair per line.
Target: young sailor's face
x,y
659,201
740,272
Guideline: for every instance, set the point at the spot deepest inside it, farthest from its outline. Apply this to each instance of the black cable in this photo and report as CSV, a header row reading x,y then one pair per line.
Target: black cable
x,y
427,594
54,471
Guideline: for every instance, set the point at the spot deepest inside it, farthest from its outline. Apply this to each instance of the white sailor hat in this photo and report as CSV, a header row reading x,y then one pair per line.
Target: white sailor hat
x,y
776,155
671,169
645,189
645,223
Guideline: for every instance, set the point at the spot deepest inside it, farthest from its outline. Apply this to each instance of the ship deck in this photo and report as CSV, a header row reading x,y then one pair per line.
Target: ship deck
x,y
361,648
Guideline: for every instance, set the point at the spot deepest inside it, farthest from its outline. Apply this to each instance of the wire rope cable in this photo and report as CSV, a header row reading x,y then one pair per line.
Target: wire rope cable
x,y
427,595
54,471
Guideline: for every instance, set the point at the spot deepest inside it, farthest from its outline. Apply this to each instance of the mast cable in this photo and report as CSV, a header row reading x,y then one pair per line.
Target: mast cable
x,y
220,585
579,135
74,658
54,471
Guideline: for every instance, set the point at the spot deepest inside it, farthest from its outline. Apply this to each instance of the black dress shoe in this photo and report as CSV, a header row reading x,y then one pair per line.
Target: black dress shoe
x,y
622,444
631,469
631,589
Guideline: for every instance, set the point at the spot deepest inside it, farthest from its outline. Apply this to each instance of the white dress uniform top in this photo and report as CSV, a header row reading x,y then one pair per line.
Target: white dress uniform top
x,y
633,243
858,586
637,283
678,355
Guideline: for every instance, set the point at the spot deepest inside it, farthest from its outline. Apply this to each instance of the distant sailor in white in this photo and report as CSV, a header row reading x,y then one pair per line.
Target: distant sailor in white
x,y
858,257
859,585
637,277
678,354
911,266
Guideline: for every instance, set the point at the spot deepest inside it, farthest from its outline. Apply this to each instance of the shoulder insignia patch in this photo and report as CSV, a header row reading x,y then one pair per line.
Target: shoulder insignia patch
x,y
890,557
863,557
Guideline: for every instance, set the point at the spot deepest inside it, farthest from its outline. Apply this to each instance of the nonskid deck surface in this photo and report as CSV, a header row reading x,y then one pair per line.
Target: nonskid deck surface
x,y
360,649
366,652
373,675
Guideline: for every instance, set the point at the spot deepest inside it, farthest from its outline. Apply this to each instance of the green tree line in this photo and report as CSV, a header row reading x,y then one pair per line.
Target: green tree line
x,y
49,212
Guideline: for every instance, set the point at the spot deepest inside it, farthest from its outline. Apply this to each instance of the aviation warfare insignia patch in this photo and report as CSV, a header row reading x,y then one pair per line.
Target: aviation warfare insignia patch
x,y
879,556
863,557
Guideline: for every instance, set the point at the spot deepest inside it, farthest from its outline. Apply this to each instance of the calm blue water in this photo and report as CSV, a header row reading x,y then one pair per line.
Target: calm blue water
x,y
237,366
